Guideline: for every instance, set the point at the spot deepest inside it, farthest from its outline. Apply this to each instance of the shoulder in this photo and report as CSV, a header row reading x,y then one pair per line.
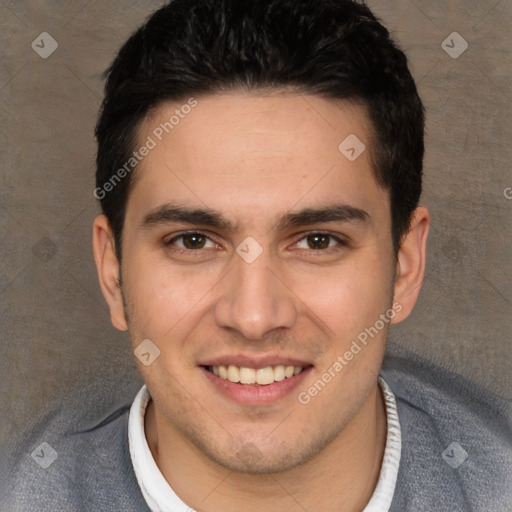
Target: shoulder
x,y
456,438
76,456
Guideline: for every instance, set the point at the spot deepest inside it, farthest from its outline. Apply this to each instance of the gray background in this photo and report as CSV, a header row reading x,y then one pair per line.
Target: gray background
x,y
55,333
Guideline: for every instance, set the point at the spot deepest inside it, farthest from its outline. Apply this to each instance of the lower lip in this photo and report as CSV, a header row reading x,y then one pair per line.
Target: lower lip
x,y
256,395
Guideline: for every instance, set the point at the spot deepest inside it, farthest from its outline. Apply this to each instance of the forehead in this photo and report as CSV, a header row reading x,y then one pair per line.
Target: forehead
x,y
270,151
257,123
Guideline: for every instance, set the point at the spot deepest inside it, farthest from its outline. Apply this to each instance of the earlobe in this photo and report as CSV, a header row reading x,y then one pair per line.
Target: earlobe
x,y
410,265
107,265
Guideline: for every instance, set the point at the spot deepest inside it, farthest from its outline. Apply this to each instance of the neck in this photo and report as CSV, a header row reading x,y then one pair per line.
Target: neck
x,y
341,477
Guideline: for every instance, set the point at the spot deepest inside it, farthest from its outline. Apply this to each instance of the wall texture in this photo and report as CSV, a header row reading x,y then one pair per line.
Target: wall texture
x,y
55,333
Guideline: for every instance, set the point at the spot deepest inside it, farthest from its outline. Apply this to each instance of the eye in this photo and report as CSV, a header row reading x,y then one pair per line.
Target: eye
x,y
191,240
319,241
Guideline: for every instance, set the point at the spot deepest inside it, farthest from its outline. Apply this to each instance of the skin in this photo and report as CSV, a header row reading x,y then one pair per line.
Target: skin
x,y
255,158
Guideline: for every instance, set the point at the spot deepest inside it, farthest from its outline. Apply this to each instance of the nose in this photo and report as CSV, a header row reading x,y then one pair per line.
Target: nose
x,y
255,300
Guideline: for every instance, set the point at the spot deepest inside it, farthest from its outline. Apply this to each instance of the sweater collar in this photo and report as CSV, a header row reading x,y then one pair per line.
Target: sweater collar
x,y
160,496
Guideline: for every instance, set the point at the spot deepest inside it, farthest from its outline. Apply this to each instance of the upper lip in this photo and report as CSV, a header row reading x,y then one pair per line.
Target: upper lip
x,y
254,361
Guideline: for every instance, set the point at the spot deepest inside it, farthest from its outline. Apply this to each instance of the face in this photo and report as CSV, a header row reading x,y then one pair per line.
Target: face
x,y
252,244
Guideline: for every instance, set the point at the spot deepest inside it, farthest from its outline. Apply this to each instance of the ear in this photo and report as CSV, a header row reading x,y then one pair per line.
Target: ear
x,y
107,264
410,264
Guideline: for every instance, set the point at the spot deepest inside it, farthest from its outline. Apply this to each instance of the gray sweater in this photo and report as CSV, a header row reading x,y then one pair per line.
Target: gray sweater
x,y
456,447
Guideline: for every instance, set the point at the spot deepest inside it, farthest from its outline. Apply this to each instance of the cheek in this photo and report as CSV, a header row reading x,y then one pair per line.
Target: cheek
x,y
165,297
347,298
344,298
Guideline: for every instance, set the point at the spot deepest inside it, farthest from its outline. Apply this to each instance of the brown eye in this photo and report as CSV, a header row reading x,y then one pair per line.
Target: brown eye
x,y
191,241
194,241
319,241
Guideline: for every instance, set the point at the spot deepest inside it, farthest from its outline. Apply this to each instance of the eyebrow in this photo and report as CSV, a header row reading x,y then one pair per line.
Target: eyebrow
x,y
169,213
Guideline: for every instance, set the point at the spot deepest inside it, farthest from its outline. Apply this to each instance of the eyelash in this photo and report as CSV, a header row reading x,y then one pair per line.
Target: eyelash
x,y
340,242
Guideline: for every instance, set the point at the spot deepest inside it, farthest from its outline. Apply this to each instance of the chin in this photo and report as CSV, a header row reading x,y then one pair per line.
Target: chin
x,y
250,460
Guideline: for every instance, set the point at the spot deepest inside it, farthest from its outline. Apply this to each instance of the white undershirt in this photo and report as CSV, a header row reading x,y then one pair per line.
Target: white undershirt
x,y
161,498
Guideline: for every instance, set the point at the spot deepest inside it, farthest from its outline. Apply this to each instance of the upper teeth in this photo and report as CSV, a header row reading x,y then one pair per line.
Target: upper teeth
x,y
262,376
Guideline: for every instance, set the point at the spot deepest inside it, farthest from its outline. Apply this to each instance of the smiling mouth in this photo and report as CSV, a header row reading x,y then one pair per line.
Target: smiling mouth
x,y
255,376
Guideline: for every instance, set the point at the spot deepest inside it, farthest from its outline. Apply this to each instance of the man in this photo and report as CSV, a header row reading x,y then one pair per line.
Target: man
x,y
259,171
